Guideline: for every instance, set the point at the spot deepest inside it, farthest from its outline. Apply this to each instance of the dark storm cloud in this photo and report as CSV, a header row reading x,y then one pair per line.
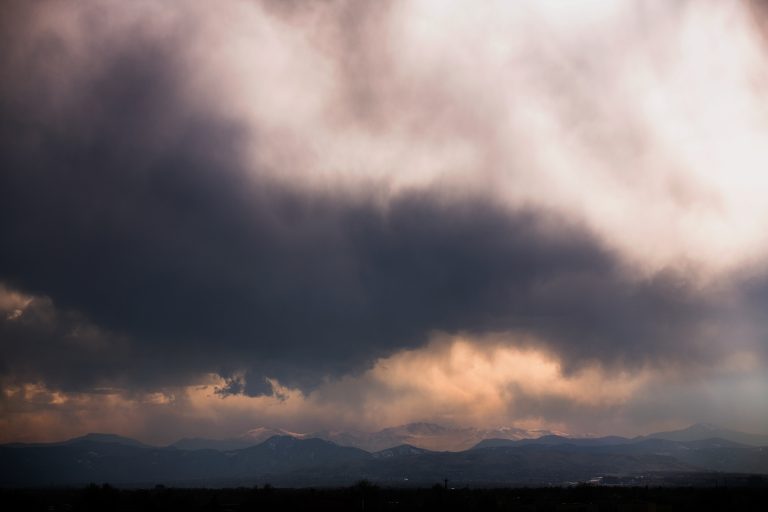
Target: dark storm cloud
x,y
131,207
61,347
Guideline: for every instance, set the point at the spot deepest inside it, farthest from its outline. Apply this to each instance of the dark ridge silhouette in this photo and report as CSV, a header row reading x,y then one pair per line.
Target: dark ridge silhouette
x,y
293,462
701,431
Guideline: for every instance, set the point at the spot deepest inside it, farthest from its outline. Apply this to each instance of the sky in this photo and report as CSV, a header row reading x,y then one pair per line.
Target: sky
x,y
353,215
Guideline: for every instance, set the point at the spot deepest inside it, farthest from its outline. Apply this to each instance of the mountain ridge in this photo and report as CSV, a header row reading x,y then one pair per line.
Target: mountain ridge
x,y
425,435
700,431
434,437
428,436
289,461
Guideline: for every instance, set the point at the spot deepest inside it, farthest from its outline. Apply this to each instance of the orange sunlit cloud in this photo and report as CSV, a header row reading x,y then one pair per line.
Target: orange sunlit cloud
x,y
453,380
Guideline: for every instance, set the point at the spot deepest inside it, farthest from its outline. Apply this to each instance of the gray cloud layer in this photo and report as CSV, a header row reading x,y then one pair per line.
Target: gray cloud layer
x,y
165,255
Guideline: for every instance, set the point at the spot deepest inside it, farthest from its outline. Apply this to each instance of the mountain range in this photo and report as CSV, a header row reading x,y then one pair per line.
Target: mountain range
x,y
435,437
423,435
299,460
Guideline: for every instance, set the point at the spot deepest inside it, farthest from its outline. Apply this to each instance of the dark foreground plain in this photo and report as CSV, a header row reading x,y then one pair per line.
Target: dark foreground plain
x,y
368,497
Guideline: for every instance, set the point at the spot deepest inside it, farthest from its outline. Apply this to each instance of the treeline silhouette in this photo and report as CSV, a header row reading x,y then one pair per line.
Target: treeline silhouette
x,y
368,497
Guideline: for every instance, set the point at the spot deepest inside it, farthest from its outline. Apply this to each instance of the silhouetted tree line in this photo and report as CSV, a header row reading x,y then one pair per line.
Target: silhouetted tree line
x,y
365,496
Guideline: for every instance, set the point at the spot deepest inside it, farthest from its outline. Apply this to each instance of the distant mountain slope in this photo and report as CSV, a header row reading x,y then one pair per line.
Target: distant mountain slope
x,y
553,440
251,438
107,438
289,461
701,431
709,454
404,450
286,453
201,443
87,438
429,436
